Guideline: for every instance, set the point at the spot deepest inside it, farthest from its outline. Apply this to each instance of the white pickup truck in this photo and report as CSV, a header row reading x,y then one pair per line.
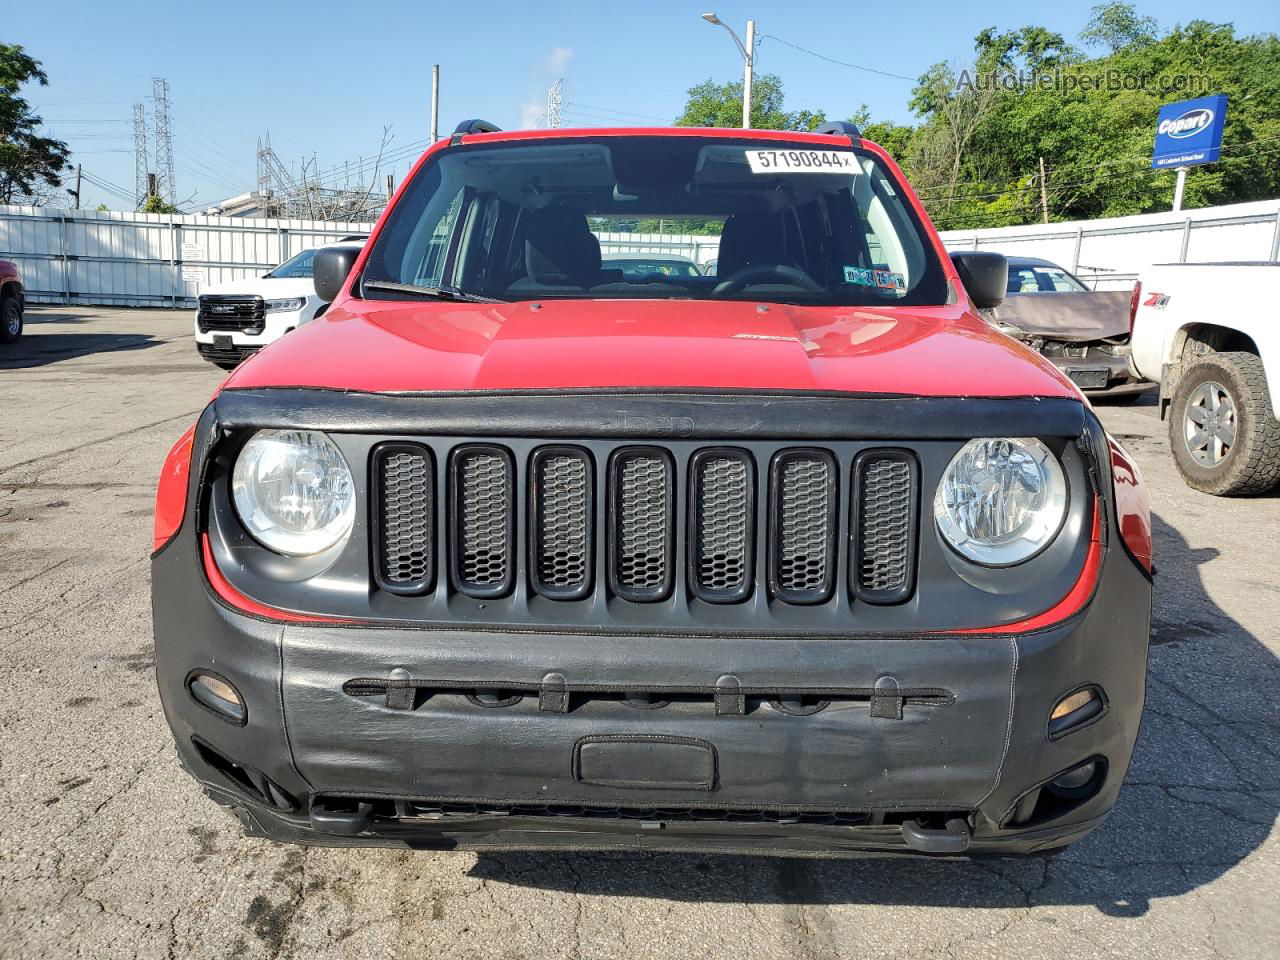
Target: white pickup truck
x,y
1209,334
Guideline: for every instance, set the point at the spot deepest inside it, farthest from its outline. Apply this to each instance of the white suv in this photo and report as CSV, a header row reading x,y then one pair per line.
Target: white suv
x,y
240,317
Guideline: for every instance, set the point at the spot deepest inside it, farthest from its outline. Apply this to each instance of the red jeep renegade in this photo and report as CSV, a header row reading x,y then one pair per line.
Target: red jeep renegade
x,y
511,548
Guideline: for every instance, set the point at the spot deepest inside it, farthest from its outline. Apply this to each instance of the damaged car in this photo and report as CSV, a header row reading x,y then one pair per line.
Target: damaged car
x,y
1084,332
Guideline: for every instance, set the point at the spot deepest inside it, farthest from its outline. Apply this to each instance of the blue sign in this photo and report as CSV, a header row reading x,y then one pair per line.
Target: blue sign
x,y
1190,132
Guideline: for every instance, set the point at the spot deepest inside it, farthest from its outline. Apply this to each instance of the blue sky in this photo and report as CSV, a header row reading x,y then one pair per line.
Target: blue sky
x,y
324,77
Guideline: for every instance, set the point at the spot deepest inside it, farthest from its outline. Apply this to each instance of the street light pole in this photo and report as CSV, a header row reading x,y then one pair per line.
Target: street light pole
x,y
748,60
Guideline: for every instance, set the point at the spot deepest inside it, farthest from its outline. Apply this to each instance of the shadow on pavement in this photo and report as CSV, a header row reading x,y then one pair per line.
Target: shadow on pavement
x,y
1200,796
38,349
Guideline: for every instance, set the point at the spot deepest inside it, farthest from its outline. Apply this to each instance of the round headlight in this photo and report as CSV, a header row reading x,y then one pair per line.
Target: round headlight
x,y
1001,501
293,491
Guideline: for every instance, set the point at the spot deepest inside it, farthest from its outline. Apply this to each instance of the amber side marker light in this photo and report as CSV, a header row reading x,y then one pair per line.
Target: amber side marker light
x,y
218,695
1075,708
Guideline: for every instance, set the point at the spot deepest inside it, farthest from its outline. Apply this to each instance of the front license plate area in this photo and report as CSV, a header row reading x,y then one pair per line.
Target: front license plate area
x,y
222,341
1089,378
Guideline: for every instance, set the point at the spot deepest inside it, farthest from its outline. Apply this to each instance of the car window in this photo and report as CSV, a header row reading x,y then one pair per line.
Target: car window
x,y
535,219
1061,281
1039,279
298,267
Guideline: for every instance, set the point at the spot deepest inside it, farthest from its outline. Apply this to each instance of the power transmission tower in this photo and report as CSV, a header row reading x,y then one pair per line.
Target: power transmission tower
x,y
554,97
139,156
164,141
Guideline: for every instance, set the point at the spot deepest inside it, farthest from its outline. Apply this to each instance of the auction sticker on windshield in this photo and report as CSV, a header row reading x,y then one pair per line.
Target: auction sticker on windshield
x,y
802,161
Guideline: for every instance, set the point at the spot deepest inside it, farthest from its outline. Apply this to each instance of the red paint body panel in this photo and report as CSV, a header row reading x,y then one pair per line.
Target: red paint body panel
x,y
392,346
1133,509
171,491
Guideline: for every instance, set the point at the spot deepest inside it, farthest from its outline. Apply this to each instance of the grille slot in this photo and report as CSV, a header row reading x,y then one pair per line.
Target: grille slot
x,y
885,504
483,509
642,495
722,525
803,516
404,517
563,531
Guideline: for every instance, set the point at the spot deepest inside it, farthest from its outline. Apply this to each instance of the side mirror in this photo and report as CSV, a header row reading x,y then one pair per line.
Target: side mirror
x,y
985,276
330,268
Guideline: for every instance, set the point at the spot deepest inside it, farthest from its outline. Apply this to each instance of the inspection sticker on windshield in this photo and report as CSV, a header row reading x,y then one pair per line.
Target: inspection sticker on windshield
x,y
884,279
802,161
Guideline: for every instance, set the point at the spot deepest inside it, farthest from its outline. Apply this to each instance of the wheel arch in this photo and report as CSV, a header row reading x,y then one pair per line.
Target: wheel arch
x,y
1197,339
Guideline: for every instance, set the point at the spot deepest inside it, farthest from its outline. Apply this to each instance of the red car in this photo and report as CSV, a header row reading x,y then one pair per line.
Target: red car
x,y
12,302
509,550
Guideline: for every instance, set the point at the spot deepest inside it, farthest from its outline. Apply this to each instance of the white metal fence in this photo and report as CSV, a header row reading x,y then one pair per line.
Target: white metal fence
x,y
1109,254
147,259
139,259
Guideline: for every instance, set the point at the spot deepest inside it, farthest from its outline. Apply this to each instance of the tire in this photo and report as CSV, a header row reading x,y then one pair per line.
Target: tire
x,y
10,319
1223,435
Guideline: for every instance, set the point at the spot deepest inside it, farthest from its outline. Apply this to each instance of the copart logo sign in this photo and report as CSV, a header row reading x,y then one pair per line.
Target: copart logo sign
x,y
1189,132
1187,125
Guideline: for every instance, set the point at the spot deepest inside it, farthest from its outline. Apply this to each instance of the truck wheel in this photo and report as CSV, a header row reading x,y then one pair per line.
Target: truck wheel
x,y
1223,434
10,319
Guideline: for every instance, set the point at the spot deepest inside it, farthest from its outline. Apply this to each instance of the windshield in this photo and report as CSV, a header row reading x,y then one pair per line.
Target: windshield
x,y
657,217
294,268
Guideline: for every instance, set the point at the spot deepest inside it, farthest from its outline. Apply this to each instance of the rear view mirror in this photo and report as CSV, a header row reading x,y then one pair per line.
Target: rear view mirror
x,y
985,276
330,269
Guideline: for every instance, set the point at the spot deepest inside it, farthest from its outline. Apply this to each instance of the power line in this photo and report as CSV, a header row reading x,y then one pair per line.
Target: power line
x,y
621,113
842,63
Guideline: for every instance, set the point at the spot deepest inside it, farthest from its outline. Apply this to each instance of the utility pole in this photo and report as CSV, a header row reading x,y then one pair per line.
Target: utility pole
x,y
164,141
76,191
554,98
139,156
391,186
152,187
1179,187
1044,195
435,103
748,61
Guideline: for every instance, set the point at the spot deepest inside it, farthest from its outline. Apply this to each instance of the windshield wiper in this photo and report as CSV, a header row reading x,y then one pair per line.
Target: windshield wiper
x,y
432,293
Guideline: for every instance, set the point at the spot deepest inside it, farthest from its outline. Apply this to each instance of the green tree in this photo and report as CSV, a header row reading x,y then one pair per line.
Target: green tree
x,y
1116,26
712,104
157,204
30,165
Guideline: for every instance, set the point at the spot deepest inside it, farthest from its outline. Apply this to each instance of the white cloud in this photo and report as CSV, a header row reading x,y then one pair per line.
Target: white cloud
x,y
559,59
531,112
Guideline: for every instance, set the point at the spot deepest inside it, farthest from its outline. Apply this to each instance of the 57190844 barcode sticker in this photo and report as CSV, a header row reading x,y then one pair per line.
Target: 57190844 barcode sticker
x,y
802,161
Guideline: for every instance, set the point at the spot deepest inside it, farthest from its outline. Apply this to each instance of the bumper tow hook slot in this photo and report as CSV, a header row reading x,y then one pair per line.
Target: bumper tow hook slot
x,y
400,690
886,701
553,695
344,823
729,699
953,838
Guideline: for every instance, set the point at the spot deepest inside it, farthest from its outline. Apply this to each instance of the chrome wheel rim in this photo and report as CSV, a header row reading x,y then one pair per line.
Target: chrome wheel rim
x,y
12,321
1209,426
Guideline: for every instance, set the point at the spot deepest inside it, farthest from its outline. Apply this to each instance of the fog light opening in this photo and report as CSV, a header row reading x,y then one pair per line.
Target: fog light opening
x,y
1067,791
1074,710
219,695
1076,783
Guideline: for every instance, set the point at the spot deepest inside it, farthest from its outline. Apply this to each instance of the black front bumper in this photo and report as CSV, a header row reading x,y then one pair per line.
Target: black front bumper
x,y
226,354
322,760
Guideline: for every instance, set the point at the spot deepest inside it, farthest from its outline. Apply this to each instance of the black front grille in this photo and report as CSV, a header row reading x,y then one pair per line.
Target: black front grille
x,y
643,505
404,484
562,527
484,517
722,513
803,544
885,503
653,522
217,312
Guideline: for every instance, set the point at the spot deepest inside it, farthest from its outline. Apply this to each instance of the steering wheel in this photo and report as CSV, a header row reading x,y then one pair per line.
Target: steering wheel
x,y
768,271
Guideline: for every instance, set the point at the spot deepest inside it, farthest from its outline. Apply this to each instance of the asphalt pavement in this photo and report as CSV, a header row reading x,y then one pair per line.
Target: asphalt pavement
x,y
107,849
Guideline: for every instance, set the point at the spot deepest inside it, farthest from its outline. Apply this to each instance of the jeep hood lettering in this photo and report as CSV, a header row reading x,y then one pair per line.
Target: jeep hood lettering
x,y
391,347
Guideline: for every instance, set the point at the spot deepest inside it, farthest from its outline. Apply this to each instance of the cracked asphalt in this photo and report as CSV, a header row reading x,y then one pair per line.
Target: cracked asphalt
x,y
107,849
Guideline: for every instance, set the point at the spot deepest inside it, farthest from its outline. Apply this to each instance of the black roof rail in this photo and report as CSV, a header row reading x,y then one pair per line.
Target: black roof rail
x,y
472,126
841,127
